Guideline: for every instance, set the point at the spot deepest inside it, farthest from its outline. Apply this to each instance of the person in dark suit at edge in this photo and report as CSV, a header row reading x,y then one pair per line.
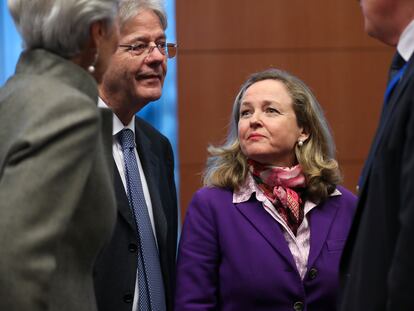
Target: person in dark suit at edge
x,y
377,268
137,269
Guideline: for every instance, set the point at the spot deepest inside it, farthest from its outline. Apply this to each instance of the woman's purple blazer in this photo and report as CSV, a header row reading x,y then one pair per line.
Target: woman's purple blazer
x,y
235,257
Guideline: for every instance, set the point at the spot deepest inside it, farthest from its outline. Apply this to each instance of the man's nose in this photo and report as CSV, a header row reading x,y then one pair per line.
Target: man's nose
x,y
154,54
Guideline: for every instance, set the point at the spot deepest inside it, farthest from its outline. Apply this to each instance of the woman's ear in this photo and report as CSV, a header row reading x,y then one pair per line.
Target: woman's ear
x,y
97,32
88,56
304,135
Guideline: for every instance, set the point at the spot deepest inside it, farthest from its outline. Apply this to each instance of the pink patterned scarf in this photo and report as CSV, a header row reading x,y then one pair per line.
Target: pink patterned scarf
x,y
282,186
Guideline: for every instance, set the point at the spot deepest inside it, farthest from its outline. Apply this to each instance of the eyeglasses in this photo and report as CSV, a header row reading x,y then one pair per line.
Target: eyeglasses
x,y
168,49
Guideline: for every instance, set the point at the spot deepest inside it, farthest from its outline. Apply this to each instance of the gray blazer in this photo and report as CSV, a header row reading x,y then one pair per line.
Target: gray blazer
x,y
57,206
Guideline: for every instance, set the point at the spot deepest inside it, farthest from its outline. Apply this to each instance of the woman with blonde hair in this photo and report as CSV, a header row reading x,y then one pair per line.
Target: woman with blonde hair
x,y
267,231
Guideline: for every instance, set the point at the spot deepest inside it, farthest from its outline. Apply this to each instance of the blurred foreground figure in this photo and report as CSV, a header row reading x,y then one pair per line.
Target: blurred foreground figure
x,y
377,266
57,206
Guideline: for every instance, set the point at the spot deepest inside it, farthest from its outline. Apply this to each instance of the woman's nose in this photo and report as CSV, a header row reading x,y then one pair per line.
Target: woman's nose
x,y
255,120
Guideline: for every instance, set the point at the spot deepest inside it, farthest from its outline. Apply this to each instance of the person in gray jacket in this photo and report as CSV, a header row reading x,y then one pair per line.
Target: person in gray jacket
x,y
57,206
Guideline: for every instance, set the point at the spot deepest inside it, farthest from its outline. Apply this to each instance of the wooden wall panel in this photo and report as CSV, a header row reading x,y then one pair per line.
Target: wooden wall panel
x,y
322,42
247,24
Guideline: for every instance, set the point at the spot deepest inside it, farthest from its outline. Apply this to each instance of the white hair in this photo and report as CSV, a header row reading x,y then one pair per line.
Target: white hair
x,y
60,26
130,8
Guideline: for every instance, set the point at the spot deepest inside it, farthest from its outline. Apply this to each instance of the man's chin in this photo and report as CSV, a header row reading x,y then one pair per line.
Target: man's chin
x,y
150,96
149,92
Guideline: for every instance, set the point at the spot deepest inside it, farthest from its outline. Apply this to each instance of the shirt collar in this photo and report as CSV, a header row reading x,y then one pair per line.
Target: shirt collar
x,y
249,187
406,42
117,125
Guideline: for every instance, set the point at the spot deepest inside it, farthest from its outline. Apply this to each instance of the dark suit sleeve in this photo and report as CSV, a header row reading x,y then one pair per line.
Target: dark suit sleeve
x,y
171,182
44,175
198,259
400,279
172,220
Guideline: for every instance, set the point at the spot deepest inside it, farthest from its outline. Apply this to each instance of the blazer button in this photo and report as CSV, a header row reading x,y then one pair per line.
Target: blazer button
x,y
128,298
313,273
298,306
132,247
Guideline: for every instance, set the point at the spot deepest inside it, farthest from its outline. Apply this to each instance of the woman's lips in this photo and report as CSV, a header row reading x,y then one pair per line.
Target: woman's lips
x,y
255,136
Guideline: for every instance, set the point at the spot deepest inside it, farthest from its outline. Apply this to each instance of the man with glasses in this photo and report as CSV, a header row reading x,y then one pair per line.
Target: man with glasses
x,y
136,271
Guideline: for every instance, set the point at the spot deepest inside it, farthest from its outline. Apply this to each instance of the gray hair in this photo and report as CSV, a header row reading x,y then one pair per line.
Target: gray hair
x,y
130,8
60,26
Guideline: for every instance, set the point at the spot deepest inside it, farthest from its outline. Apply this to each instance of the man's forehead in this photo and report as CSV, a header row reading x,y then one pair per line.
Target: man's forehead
x,y
143,37
145,26
144,19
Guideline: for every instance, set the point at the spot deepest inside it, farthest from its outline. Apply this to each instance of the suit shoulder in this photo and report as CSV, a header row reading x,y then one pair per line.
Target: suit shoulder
x,y
347,200
347,194
52,95
35,114
210,195
210,203
149,129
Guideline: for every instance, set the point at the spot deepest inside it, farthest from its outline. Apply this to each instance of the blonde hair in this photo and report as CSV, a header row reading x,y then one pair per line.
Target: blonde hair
x,y
227,165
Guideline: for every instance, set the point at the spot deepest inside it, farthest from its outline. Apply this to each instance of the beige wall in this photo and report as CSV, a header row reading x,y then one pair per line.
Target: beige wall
x,y
221,42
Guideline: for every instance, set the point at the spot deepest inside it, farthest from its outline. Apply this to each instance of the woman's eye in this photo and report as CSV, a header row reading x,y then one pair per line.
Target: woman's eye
x,y
272,110
244,113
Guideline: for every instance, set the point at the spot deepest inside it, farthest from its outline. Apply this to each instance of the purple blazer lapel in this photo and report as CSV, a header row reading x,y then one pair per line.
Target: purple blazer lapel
x,y
320,221
268,227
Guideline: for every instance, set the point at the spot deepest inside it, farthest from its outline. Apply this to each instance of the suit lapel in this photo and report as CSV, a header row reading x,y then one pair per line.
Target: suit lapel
x,y
268,227
385,118
151,170
106,130
122,199
320,221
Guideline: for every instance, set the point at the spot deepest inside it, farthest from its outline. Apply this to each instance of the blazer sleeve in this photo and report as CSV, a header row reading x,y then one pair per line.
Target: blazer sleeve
x,y
173,190
400,281
198,259
41,183
171,212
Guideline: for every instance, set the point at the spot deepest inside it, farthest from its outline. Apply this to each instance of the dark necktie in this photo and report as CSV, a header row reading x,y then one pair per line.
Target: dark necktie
x,y
150,282
397,69
396,72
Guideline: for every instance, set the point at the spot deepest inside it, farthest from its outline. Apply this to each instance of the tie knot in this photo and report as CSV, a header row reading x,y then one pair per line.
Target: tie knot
x,y
126,139
397,62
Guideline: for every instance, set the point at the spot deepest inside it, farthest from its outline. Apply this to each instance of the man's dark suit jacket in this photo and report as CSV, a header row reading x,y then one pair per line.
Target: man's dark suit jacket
x,y
116,267
378,260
